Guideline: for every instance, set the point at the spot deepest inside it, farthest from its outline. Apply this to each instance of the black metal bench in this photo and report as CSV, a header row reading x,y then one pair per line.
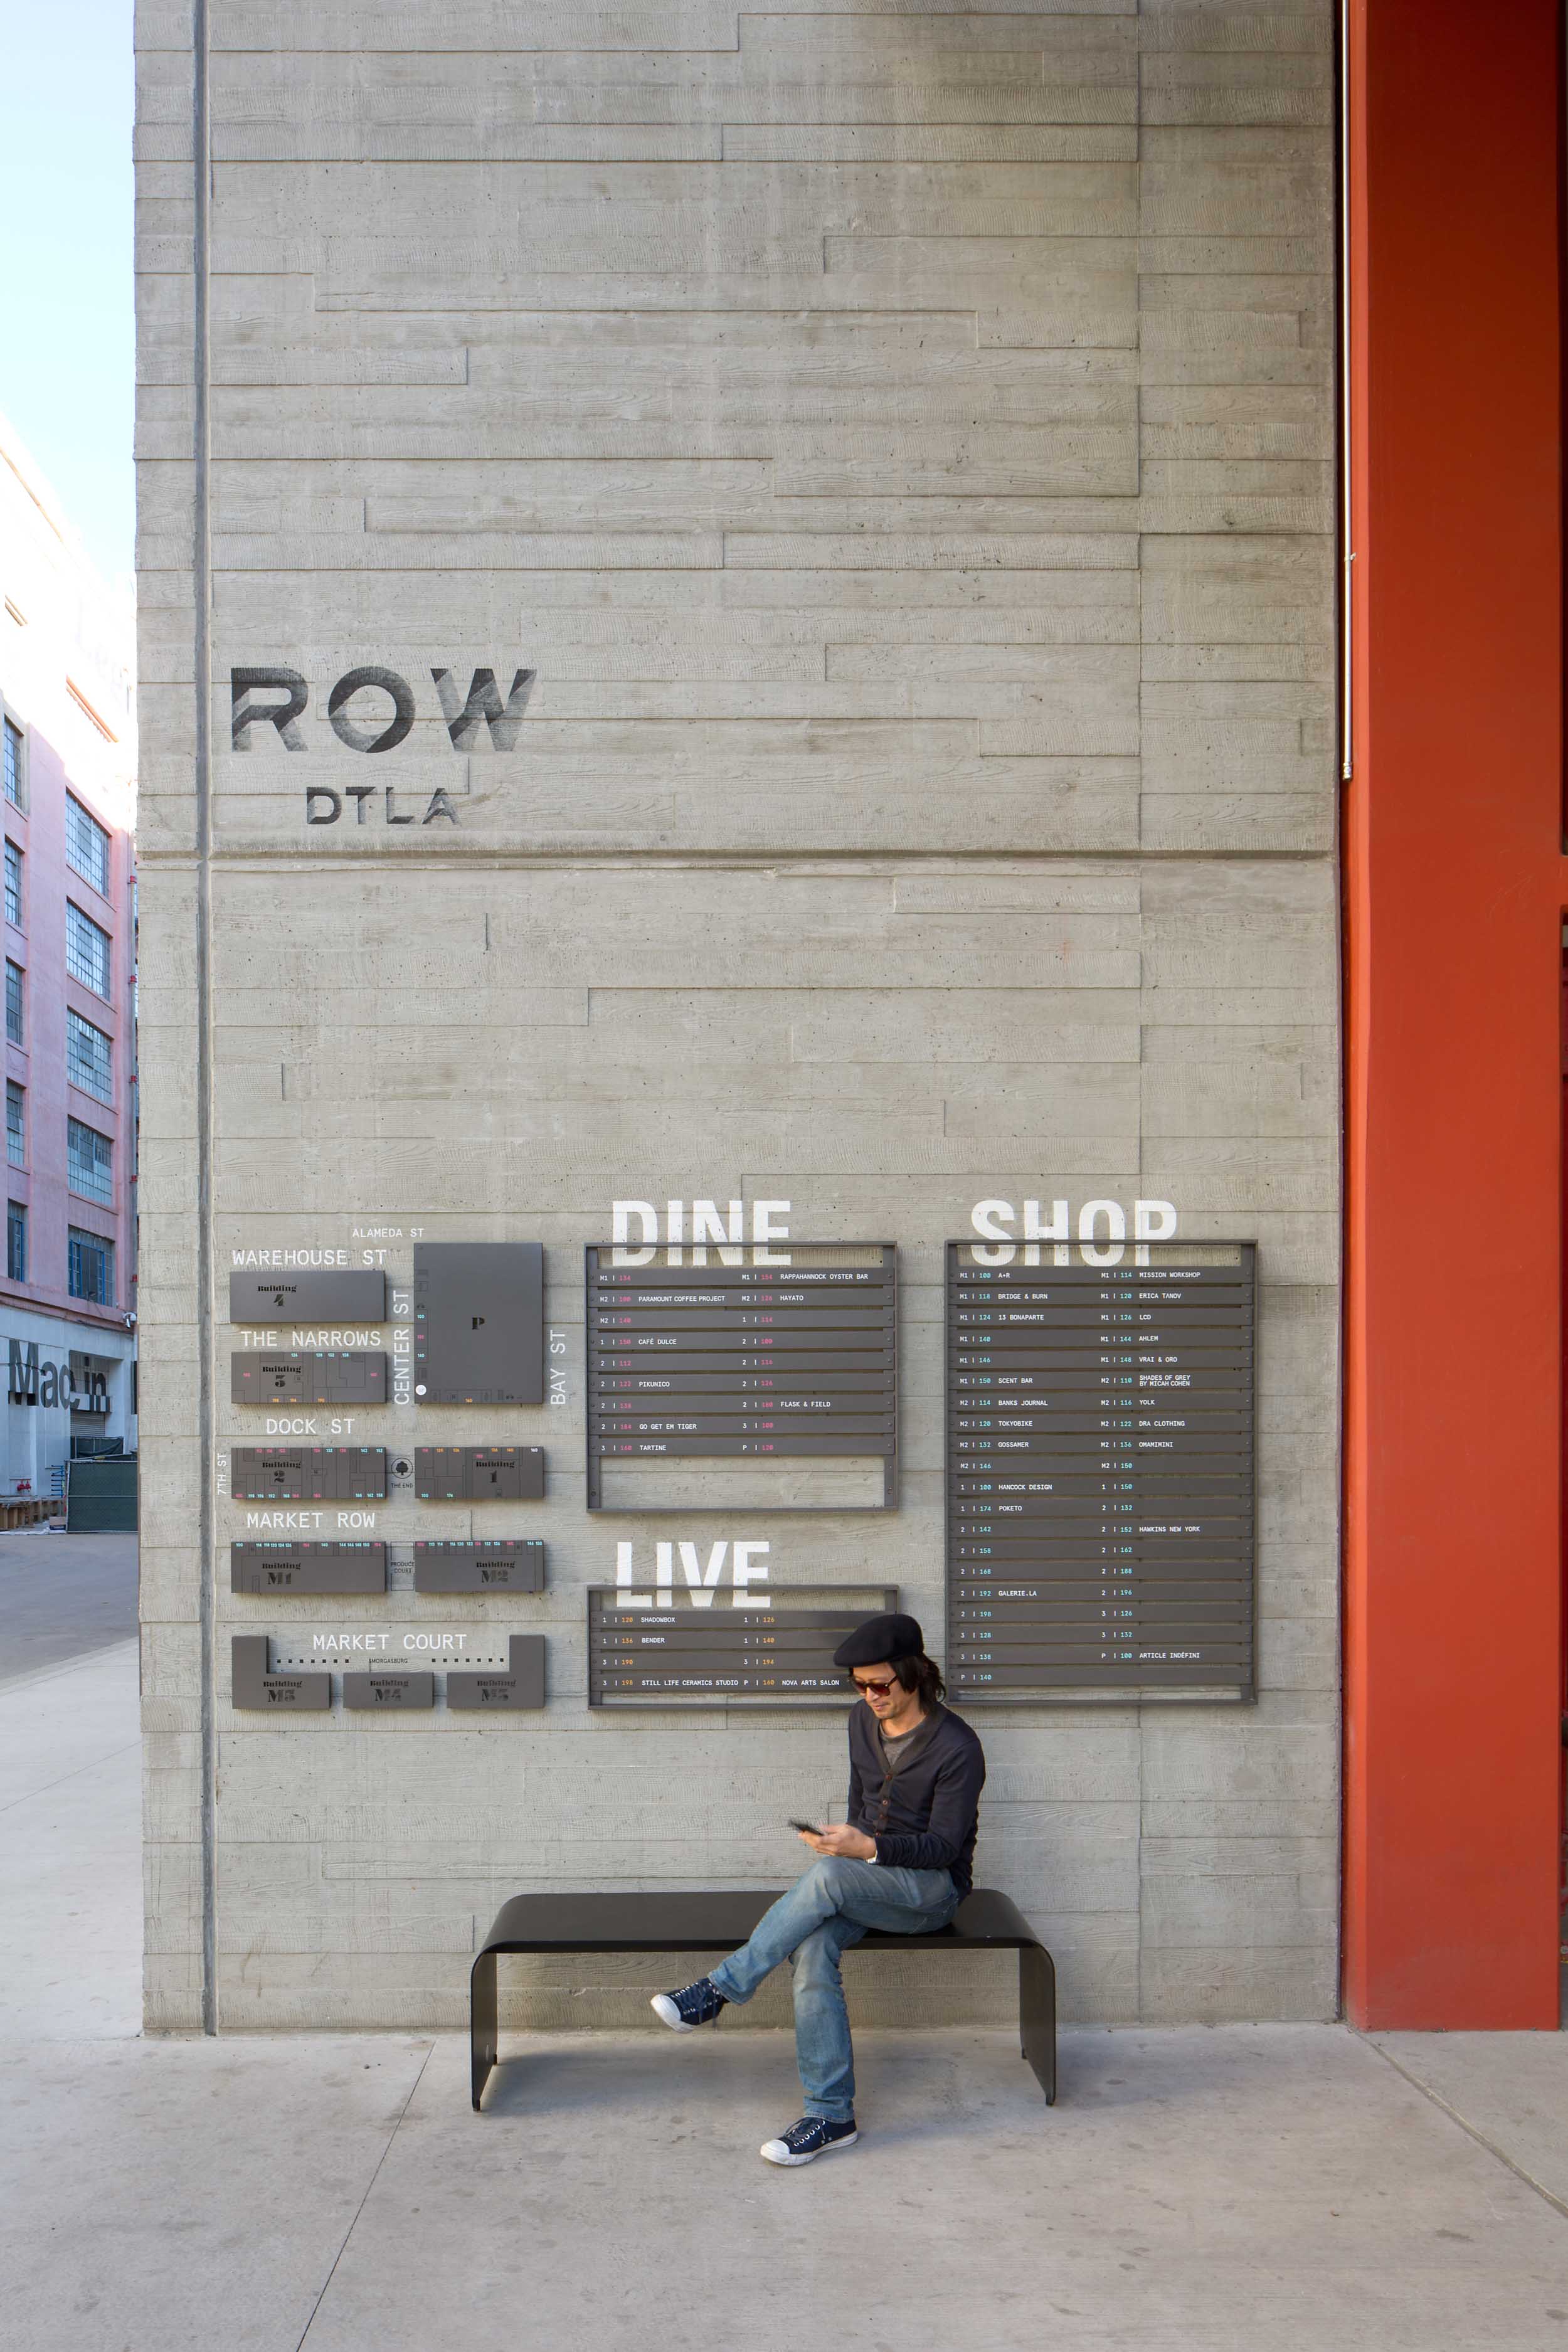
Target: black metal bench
x,y
984,1921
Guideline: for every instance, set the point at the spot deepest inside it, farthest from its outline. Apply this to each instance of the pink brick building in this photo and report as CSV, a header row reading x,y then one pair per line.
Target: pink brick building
x,y
67,753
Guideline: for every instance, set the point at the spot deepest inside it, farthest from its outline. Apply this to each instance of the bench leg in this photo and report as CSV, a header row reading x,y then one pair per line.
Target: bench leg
x,y
483,2026
1038,2015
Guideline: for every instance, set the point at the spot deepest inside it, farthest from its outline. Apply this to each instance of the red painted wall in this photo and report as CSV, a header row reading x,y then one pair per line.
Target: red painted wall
x,y
1455,886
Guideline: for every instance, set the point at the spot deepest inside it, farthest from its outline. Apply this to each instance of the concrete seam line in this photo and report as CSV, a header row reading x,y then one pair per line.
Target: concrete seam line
x,y
201,557
1547,2196
131,1746
364,2200
10,1684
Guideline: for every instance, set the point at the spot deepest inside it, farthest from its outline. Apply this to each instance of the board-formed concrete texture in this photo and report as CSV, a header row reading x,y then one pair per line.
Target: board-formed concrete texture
x,y
901,442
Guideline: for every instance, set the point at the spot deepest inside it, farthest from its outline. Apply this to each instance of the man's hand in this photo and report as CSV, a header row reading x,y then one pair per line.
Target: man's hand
x,y
840,1839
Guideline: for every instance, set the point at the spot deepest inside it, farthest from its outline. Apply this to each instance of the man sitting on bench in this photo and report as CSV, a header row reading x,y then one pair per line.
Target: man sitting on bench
x,y
902,1863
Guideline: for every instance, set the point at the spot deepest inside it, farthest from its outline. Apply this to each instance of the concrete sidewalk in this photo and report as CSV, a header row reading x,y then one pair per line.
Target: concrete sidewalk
x,y
1197,2189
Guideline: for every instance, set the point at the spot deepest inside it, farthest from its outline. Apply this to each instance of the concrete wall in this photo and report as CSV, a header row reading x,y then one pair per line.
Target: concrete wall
x,y
902,442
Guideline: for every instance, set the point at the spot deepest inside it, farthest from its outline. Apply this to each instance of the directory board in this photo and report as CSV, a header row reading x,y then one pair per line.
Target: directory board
x,y
1102,1528
777,1650
742,1357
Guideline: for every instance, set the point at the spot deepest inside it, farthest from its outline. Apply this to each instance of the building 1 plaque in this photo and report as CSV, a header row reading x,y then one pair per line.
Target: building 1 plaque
x,y
1101,1529
744,1358
777,1650
478,1474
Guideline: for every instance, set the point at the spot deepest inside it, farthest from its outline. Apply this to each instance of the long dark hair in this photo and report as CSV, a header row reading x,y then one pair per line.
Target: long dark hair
x,y
923,1674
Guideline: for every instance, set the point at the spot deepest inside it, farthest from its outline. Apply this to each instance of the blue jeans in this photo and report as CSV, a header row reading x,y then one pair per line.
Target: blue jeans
x,y
812,1927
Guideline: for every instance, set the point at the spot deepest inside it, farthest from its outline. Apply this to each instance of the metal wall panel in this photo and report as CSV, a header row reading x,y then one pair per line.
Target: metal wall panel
x,y
479,1322
1101,1476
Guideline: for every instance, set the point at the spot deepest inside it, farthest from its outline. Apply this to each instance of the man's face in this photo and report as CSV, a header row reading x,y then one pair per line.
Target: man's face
x,y
880,1689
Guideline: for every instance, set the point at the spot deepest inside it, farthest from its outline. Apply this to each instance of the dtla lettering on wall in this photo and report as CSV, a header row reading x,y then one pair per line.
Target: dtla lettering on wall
x,y
479,720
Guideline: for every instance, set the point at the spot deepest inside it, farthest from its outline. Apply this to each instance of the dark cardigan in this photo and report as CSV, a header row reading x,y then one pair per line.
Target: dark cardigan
x,y
926,1815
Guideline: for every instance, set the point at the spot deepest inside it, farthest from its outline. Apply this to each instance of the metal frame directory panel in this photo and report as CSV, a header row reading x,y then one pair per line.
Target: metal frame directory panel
x,y
479,1322
292,1376
1101,1472
665,1650
745,1357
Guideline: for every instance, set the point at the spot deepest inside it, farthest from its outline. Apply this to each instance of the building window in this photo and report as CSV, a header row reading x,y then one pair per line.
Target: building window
x,y
16,1125
13,1003
86,950
16,1241
92,1267
90,1161
13,884
90,1057
86,845
15,787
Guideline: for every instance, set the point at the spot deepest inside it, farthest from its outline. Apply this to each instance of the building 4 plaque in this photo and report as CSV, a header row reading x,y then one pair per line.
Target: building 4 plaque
x,y
1102,1532
744,1358
334,1294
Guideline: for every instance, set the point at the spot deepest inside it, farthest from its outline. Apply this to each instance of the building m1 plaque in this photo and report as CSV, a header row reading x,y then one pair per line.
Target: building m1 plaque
x,y
308,1474
271,1568
745,1357
479,1322
777,1650
1102,1530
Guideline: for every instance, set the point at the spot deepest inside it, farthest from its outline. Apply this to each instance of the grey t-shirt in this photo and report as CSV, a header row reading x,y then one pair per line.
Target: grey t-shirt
x,y
896,1753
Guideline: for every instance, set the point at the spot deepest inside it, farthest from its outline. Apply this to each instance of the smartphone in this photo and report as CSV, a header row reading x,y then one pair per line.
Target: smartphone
x,y
809,1829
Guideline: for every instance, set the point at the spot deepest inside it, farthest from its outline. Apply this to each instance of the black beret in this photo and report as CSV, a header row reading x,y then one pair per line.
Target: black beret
x,y
879,1639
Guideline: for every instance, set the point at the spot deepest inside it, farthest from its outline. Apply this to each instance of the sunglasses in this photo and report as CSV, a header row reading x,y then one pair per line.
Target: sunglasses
x,y
874,1690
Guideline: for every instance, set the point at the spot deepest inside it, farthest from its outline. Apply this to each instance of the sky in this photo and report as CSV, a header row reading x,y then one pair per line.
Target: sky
x,y
68,348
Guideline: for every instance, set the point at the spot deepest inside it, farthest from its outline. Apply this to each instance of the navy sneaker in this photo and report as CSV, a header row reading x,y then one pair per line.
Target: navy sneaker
x,y
814,2136
694,2005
